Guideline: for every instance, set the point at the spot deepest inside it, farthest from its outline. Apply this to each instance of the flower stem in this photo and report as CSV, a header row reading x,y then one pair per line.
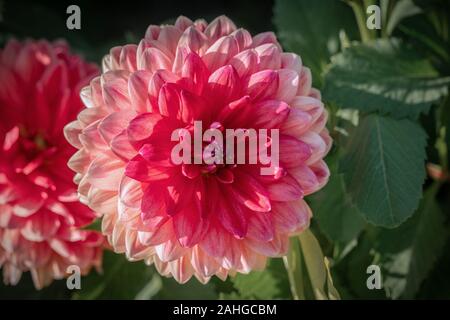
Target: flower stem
x,y
293,270
360,19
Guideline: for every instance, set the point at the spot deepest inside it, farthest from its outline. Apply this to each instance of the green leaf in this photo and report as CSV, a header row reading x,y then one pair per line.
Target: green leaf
x,y
271,283
121,279
311,29
421,239
308,269
351,271
338,218
437,284
402,10
257,285
385,76
383,167
96,225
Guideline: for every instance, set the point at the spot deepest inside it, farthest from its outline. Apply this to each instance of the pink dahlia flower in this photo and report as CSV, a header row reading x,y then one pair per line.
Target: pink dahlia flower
x,y
196,219
40,214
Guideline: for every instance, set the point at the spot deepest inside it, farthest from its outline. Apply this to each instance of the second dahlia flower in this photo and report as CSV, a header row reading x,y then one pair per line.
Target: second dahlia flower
x,y
40,215
196,219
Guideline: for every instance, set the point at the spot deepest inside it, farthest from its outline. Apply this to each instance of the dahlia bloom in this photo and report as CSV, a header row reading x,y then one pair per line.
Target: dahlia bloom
x,y
193,219
40,214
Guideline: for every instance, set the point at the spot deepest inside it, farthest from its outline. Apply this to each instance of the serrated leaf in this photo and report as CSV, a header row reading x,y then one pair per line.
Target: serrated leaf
x,y
338,218
411,264
311,29
383,167
309,270
256,285
272,283
384,76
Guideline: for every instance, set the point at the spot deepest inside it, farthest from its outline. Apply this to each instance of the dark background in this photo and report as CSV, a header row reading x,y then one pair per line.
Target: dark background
x,y
108,23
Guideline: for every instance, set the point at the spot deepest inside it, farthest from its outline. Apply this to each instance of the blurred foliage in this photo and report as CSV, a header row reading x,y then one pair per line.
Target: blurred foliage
x,y
387,97
389,113
303,29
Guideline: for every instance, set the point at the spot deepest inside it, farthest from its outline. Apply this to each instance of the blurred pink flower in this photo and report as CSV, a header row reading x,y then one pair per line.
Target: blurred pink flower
x,y
196,219
40,215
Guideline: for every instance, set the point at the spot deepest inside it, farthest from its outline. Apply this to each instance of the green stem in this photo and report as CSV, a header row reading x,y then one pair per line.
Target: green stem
x,y
385,13
293,269
361,20
367,3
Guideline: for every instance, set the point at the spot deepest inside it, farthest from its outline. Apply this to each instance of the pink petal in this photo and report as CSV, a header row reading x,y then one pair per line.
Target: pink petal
x,y
219,27
289,81
260,227
264,38
317,145
232,217
293,152
115,123
274,248
122,147
248,191
245,62
102,200
138,90
138,169
183,23
142,126
169,36
297,123
291,61
115,90
196,71
127,58
270,114
224,84
304,87
153,59
72,132
291,217
169,250
202,263
181,269
263,84
80,161
105,172
188,226
285,189
269,56
40,226
243,38
215,241
220,52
